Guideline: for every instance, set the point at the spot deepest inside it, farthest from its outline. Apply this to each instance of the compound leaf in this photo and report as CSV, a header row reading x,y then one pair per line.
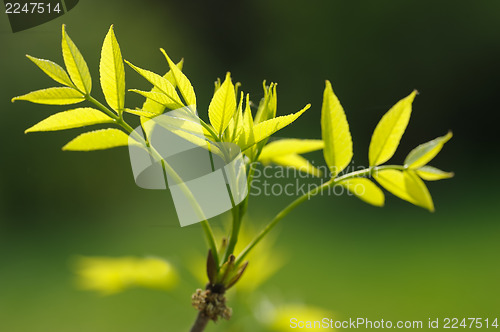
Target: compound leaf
x,y
75,64
78,117
112,72
53,70
389,130
222,106
97,140
335,132
53,96
424,153
365,190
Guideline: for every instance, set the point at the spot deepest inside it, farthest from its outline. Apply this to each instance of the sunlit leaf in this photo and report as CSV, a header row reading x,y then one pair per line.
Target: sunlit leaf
x,y
152,106
53,70
394,182
430,173
97,140
268,105
182,82
53,96
294,161
110,275
75,64
235,126
335,133
390,129
289,146
75,118
158,97
112,72
164,86
222,106
365,190
267,128
418,191
424,153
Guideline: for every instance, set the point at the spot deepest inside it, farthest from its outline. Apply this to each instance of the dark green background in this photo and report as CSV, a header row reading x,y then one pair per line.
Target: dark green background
x,y
398,262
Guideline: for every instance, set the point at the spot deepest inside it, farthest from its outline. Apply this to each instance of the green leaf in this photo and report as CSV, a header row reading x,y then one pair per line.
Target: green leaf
x,y
268,105
430,173
294,161
335,132
424,153
75,118
418,191
75,64
141,113
53,70
365,190
390,129
235,126
405,185
222,106
53,96
97,140
163,85
182,82
247,133
152,106
290,146
159,98
394,182
112,72
265,129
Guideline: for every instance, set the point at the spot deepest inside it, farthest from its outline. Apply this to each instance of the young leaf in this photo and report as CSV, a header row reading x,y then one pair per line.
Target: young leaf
x,y
75,64
290,146
265,129
162,84
141,113
182,82
75,118
151,105
236,124
390,129
418,191
159,98
293,160
268,105
365,190
394,182
97,140
335,132
53,70
222,106
430,173
424,153
112,72
53,96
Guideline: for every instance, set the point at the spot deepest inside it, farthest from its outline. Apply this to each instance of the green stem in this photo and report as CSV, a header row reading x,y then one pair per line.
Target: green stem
x,y
167,169
283,213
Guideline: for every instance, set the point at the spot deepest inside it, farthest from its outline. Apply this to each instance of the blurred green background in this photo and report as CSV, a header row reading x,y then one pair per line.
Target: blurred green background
x,y
399,262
